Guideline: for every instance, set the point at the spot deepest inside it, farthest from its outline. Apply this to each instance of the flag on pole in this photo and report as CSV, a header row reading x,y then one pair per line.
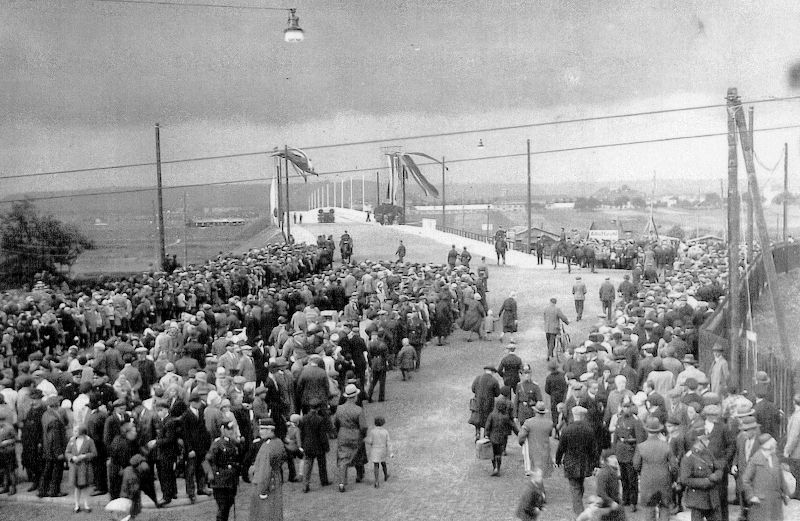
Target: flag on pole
x,y
298,159
273,201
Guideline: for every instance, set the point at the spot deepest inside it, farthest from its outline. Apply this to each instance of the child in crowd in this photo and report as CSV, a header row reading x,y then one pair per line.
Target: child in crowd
x,y
594,510
533,499
561,409
407,359
293,445
489,322
378,448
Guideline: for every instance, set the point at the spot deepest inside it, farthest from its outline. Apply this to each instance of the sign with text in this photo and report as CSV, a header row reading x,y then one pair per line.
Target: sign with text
x,y
604,235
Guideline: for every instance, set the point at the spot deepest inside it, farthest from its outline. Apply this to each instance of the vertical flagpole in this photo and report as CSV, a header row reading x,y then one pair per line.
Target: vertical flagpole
x,y
162,251
279,196
529,196
351,192
378,188
363,192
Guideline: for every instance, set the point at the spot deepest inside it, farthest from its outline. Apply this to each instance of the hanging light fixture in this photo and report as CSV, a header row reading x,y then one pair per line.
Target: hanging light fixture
x,y
293,33
480,143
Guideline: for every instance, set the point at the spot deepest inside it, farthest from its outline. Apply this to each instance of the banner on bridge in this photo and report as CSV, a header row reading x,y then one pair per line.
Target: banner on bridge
x,y
604,235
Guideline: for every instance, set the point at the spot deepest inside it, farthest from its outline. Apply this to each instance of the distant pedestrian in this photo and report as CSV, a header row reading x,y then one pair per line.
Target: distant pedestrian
x,y
314,435
607,294
508,314
465,257
553,316
579,294
485,388
294,218
379,448
577,452
401,252
498,427
301,218
368,219
452,257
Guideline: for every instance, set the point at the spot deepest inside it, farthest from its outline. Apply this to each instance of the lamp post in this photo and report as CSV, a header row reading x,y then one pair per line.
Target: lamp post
x,y
488,207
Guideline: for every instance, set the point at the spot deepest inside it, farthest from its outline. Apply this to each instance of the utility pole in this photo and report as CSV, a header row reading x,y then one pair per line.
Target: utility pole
x,y
750,231
529,198
279,196
734,320
488,208
763,232
162,251
288,207
444,204
785,187
351,192
378,188
363,192
403,181
185,233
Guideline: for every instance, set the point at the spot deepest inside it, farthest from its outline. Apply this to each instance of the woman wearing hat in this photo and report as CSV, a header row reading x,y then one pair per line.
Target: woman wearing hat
x,y
763,483
485,388
266,503
655,464
79,454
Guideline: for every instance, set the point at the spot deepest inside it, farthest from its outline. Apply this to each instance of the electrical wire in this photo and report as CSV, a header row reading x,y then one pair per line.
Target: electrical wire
x,y
397,138
383,167
765,167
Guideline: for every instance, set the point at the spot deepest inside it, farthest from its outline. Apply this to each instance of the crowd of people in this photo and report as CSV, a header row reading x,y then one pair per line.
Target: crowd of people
x,y
631,406
220,373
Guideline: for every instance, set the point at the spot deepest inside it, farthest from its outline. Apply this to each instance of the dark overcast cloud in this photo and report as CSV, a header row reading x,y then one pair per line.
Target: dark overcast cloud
x,y
70,65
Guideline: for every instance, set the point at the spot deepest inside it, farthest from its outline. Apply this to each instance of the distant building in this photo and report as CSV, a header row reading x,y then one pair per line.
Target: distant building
x,y
208,223
561,204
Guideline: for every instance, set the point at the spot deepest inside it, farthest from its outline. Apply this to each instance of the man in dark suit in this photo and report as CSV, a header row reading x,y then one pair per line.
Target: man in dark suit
x,y
746,447
314,439
54,443
767,414
147,369
114,421
700,477
196,442
95,426
166,447
577,450
722,445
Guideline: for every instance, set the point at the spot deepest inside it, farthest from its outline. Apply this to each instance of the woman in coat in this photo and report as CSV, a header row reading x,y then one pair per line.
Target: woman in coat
x,y
499,426
80,453
442,322
508,314
764,486
266,503
472,320
485,388
534,436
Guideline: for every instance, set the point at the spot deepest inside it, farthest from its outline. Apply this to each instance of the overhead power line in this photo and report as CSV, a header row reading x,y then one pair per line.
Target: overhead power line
x,y
190,4
383,167
385,140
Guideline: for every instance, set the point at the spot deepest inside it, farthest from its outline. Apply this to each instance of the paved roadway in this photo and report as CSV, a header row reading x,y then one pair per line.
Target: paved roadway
x,y
434,475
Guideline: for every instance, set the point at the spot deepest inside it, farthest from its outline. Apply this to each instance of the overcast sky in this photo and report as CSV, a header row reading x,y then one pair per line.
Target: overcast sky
x,y
84,81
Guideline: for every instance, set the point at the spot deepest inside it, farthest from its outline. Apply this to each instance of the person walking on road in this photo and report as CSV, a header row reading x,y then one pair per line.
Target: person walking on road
x,y
401,252
579,293
314,438
553,316
577,451
485,388
607,294
499,426
654,462
508,314
452,257
351,428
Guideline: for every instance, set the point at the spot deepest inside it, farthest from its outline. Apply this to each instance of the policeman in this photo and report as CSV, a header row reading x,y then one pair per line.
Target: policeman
x,y
527,394
223,470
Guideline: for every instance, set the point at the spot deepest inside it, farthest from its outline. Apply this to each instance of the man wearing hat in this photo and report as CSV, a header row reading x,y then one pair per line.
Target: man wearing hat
x,y
527,394
628,432
700,475
116,418
577,451
314,430
553,317
791,451
486,388
196,441
607,294
351,429
222,466
722,445
167,449
510,367
534,436
556,387
32,438
719,372
653,461
763,482
579,294
147,371
54,443
767,413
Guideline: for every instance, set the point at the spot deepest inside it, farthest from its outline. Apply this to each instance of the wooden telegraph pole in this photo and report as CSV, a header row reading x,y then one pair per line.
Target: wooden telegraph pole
x,y
785,187
444,204
763,233
529,196
750,231
162,251
734,320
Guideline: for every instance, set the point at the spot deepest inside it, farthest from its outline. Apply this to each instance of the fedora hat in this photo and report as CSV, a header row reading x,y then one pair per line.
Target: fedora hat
x,y
350,391
747,423
539,407
653,424
689,359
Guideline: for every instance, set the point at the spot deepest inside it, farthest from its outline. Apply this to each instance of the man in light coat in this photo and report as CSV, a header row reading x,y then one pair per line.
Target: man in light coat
x,y
579,294
719,372
553,316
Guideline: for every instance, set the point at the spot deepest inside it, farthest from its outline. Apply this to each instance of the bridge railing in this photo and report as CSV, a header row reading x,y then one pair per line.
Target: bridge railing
x,y
474,236
713,332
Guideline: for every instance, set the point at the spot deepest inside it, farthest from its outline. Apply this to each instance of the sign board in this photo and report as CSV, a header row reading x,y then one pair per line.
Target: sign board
x,y
487,227
429,224
604,235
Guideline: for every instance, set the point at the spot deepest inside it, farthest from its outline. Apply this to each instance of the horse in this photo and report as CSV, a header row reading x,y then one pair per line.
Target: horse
x,y
500,247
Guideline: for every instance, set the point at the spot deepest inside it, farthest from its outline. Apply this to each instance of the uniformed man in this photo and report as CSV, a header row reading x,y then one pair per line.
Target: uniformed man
x,y
700,478
401,252
539,250
527,394
222,469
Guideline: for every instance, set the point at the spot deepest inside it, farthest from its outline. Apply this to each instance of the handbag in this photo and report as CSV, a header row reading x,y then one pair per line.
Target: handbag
x,y
483,449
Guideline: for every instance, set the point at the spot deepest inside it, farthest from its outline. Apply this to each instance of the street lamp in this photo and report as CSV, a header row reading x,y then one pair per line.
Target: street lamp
x,y
293,33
